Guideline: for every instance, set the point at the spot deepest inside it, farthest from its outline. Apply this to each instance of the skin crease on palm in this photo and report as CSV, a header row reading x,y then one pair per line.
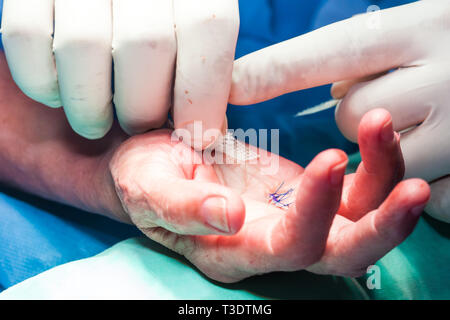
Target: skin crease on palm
x,y
335,225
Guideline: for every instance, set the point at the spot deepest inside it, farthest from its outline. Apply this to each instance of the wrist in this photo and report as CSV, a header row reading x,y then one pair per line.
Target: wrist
x,y
109,202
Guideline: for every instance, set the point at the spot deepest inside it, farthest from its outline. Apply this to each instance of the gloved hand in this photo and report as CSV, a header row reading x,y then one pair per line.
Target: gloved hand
x,y
413,40
159,48
218,215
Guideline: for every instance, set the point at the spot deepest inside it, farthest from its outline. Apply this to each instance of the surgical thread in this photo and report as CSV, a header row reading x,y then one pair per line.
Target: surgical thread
x,y
235,149
319,108
279,199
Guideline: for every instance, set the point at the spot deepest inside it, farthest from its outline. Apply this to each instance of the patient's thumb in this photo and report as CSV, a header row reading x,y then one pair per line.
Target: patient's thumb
x,y
198,208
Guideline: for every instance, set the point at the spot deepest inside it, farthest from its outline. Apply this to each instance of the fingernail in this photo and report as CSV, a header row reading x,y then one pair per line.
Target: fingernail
x,y
338,91
387,133
215,212
417,211
337,173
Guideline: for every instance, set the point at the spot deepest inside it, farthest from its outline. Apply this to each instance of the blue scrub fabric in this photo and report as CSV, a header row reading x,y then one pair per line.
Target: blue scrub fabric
x,y
36,235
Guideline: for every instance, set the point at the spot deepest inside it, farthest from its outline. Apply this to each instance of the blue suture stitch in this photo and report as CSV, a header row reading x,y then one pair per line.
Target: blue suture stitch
x,y
278,199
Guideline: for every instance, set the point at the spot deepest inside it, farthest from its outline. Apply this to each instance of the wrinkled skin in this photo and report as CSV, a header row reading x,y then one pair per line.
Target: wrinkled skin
x,y
335,224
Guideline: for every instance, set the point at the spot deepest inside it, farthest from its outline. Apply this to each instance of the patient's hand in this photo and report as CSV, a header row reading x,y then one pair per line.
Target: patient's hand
x,y
219,216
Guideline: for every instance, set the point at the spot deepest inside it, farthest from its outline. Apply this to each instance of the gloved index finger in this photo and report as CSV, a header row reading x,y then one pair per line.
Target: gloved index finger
x,y
206,34
360,46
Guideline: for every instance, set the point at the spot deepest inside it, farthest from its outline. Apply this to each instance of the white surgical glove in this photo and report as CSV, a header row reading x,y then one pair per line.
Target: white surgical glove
x,y
413,40
165,53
